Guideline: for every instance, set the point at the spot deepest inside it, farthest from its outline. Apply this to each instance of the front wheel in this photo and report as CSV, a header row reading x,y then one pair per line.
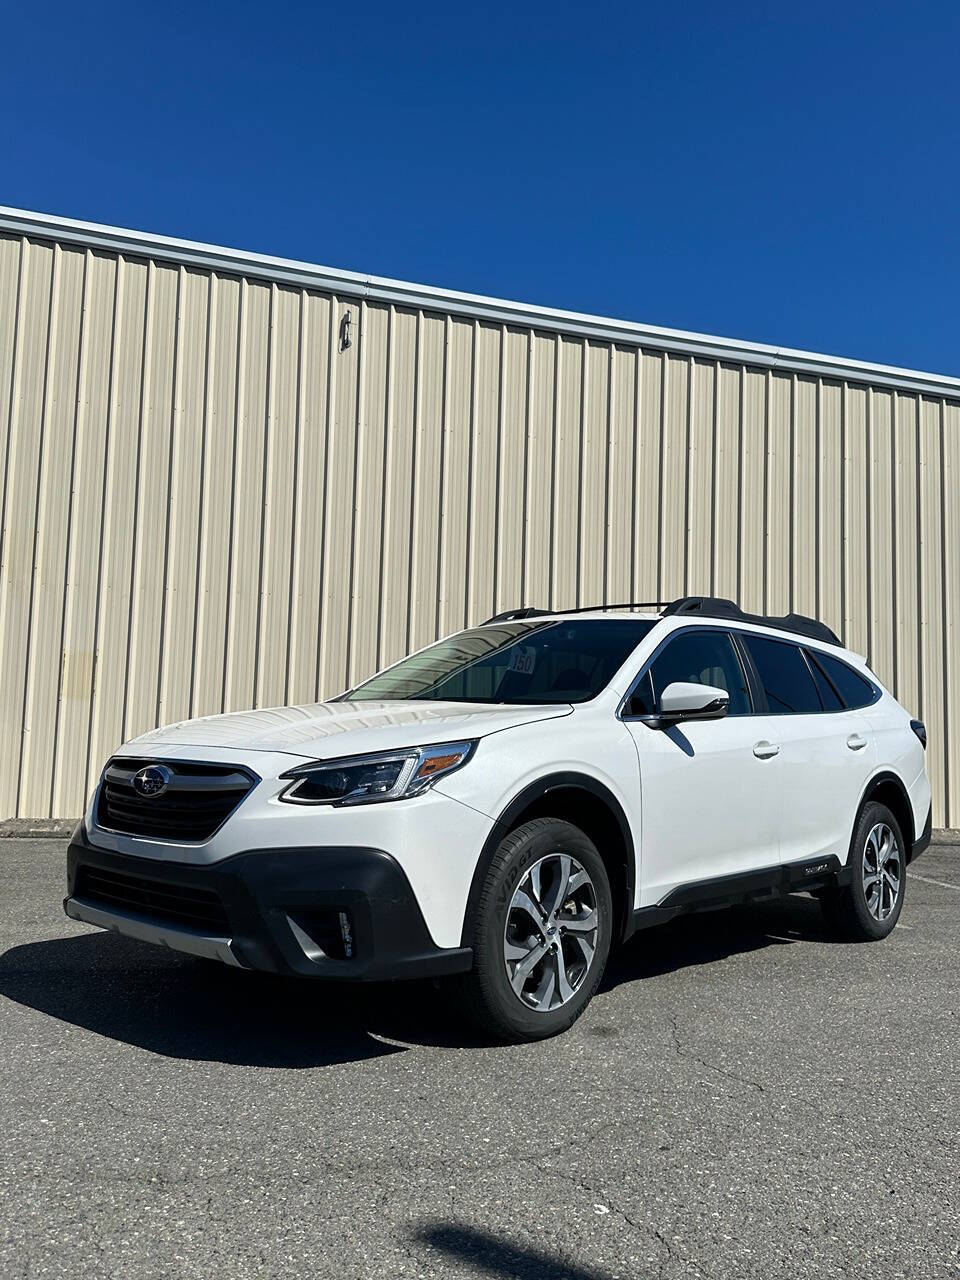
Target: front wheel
x,y
541,933
868,908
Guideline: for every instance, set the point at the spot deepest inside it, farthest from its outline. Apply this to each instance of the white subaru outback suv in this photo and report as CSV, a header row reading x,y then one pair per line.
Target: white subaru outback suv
x,y
511,802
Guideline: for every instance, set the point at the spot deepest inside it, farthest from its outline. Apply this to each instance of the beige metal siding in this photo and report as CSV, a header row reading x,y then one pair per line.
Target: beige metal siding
x,y
211,501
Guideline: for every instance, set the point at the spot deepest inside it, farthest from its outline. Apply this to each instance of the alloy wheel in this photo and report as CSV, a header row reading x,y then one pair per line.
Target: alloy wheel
x,y
881,871
550,936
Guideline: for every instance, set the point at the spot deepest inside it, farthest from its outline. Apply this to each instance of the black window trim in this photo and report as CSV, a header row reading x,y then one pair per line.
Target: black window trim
x,y
747,669
809,656
876,693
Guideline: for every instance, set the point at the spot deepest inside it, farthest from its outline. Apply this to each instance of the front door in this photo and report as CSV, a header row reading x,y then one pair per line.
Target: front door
x,y
710,789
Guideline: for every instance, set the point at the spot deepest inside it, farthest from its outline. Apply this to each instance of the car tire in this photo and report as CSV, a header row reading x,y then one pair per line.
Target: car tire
x,y
540,946
868,908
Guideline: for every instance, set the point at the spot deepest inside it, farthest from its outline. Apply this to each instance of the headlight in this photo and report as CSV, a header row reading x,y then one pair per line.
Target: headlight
x,y
393,775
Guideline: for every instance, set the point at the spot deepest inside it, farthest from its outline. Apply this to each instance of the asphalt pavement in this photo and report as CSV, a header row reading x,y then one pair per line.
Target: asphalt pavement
x,y
744,1098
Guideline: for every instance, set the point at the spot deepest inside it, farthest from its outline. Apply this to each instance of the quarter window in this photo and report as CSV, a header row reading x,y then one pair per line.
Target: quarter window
x,y
694,657
785,676
854,690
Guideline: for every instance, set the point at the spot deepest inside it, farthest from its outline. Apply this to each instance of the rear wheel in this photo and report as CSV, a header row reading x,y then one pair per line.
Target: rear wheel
x,y
542,931
869,907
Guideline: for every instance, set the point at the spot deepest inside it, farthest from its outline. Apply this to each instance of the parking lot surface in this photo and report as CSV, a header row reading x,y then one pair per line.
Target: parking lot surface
x,y
744,1098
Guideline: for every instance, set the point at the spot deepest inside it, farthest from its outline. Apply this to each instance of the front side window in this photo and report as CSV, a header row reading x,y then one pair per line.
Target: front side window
x,y
529,661
785,676
694,657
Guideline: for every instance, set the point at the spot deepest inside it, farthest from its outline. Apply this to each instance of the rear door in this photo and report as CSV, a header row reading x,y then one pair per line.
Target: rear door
x,y
709,788
826,752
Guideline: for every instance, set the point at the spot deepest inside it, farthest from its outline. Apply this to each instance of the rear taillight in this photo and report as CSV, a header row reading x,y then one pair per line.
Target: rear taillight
x,y
920,729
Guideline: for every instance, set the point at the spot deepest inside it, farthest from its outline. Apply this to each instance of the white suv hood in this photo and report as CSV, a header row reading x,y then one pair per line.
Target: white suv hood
x,y
325,730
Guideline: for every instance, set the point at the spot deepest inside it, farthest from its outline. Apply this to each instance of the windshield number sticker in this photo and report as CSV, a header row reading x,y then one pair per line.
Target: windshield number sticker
x,y
523,659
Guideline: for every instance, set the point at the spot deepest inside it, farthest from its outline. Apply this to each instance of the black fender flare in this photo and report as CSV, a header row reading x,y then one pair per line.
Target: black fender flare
x,y
878,779
522,801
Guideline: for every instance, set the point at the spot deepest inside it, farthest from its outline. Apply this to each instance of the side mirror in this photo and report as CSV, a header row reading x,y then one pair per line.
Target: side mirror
x,y
682,701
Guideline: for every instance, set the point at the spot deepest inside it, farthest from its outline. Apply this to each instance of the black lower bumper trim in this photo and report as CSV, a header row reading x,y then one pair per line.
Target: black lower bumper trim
x,y
284,908
750,886
922,841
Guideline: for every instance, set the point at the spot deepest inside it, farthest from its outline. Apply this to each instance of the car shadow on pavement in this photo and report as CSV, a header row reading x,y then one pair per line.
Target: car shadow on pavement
x,y
185,1008
705,937
193,1009
489,1255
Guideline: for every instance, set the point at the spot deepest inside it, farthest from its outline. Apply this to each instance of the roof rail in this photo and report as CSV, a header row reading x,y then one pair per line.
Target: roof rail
x,y
705,606
717,607
515,615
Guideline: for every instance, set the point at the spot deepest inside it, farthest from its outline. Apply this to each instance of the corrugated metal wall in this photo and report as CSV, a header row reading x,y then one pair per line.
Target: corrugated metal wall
x,y
210,502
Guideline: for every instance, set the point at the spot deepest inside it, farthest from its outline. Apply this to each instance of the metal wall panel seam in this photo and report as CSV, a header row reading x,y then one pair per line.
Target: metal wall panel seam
x,y
208,358
944,621
714,472
238,410
844,629
741,392
688,477
264,489
467,619
635,475
869,533
525,480
146,345
295,495
325,515
389,444
582,429
109,446
894,580
14,394
414,473
443,522
52,313
552,593
607,486
167,523
81,376
360,444
661,436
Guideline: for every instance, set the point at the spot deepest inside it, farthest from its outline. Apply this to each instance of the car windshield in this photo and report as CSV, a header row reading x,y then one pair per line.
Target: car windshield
x,y
529,661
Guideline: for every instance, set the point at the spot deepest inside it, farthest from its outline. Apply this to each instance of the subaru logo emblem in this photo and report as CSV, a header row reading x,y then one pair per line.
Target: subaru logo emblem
x,y
152,781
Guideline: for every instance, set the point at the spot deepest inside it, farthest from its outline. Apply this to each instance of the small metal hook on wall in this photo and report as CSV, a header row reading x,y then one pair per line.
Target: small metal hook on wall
x,y
345,331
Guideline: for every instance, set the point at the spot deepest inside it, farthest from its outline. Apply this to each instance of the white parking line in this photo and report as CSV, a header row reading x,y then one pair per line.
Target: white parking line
x,y
926,880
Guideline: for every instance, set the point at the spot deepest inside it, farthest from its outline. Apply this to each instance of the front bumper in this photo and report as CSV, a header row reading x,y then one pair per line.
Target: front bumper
x,y
281,910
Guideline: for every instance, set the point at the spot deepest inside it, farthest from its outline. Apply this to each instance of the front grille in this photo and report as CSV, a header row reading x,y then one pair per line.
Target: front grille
x,y
197,799
198,909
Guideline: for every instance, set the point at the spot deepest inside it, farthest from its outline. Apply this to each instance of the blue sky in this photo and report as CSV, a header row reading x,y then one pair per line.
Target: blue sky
x,y
787,174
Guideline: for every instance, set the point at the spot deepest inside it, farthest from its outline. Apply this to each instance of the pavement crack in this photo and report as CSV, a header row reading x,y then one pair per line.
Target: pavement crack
x,y
690,1056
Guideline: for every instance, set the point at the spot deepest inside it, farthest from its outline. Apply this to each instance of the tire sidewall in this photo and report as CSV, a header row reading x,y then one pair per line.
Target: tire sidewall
x,y
869,816
515,855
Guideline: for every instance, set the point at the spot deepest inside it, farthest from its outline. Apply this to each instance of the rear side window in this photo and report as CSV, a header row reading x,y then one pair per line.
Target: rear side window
x,y
694,657
852,688
785,676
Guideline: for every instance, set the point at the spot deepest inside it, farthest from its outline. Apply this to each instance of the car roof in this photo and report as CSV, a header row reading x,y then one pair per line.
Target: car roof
x,y
675,621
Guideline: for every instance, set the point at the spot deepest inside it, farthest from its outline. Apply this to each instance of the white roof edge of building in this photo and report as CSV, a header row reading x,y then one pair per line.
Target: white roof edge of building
x,y
353,284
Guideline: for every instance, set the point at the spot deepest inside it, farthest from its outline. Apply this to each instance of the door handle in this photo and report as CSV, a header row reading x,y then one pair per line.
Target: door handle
x,y
856,742
765,750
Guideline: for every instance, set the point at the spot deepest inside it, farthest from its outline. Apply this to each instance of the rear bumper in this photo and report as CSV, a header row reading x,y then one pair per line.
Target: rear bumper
x,y
340,913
